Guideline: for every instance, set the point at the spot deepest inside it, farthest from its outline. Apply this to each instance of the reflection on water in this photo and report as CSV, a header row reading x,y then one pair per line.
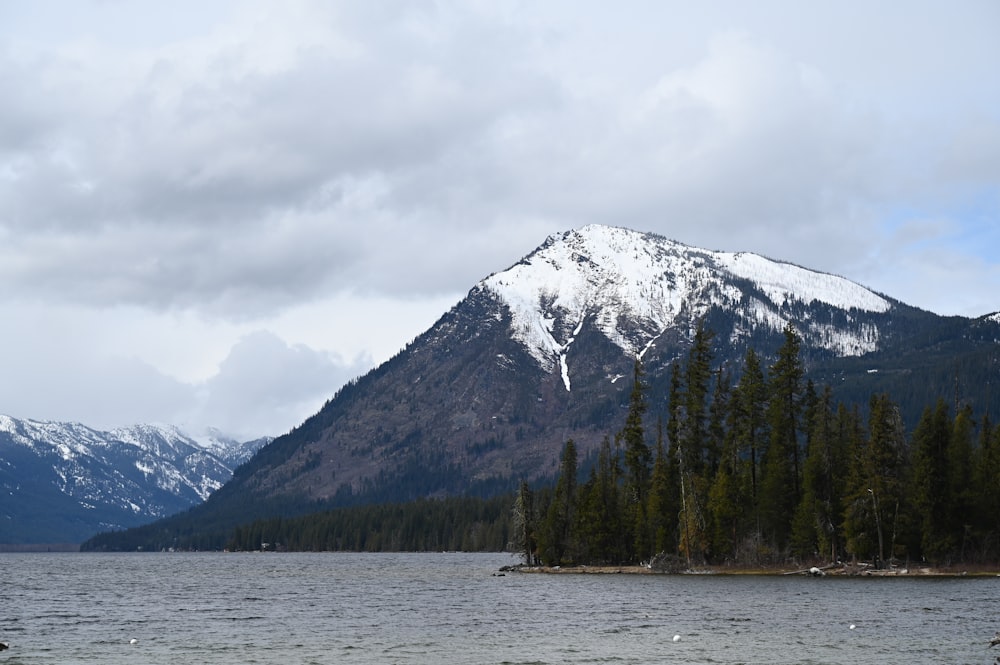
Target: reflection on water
x,y
453,608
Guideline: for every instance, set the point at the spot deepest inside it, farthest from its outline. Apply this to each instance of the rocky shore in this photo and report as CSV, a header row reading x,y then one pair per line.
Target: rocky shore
x,y
839,569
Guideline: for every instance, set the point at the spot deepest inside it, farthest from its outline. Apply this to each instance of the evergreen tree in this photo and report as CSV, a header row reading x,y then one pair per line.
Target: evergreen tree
x,y
638,458
876,488
674,464
599,520
747,426
555,541
987,488
718,412
726,504
637,454
698,374
960,478
816,526
930,482
523,537
663,501
693,454
781,483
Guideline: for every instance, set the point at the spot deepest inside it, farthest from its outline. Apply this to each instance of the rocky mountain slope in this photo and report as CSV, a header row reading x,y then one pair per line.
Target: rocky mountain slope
x,y
63,482
544,351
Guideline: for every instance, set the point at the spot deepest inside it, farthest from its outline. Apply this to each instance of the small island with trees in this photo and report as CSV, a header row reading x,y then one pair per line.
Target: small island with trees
x,y
770,474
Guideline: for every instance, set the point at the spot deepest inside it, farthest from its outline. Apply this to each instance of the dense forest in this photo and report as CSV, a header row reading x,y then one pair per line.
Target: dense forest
x,y
466,524
769,470
759,471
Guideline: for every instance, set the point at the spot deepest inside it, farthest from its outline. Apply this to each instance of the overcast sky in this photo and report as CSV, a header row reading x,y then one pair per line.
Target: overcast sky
x,y
216,213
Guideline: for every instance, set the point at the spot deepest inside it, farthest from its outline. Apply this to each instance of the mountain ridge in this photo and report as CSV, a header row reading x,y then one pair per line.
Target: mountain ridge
x,y
536,354
65,481
661,278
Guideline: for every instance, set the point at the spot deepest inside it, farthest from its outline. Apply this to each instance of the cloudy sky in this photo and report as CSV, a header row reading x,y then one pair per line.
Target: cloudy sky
x,y
215,213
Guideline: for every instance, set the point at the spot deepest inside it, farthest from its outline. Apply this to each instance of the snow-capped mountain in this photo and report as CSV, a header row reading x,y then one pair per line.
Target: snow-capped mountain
x,y
634,286
544,352
62,482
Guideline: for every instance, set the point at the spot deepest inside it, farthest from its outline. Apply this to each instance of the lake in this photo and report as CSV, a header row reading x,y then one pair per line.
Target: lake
x,y
455,608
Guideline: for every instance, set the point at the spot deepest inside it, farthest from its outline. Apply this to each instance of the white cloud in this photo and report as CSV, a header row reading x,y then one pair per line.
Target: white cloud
x,y
264,381
318,181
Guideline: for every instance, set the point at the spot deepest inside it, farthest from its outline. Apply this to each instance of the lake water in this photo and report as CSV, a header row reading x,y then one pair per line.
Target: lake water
x,y
450,608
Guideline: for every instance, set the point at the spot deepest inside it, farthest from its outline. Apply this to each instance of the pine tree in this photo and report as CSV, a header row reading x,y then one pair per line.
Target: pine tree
x,y
718,412
816,525
637,454
726,504
693,455
663,499
698,373
555,541
987,488
599,520
876,483
930,482
523,538
674,452
747,425
960,478
638,458
781,490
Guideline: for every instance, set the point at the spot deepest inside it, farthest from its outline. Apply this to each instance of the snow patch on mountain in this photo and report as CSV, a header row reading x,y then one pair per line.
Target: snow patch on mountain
x,y
633,286
786,282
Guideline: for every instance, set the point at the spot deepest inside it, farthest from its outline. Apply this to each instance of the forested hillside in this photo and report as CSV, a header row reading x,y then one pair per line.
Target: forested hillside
x,y
764,470
770,469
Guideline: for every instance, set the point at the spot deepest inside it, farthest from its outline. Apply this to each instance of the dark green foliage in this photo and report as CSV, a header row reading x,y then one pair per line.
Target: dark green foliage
x,y
425,525
764,470
748,429
780,487
664,499
599,525
696,457
875,490
931,489
829,487
638,458
555,540
818,519
986,482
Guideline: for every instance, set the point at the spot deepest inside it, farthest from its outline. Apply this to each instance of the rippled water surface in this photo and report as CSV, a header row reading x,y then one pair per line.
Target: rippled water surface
x,y
451,608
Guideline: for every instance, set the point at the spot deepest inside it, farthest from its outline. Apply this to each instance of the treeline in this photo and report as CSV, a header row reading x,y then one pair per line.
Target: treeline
x,y
458,523
767,470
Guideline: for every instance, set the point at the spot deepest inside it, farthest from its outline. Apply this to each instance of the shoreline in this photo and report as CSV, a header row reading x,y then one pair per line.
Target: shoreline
x,y
836,570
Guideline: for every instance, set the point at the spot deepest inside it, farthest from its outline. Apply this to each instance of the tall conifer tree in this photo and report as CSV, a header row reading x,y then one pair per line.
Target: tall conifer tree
x,y
747,425
556,538
930,484
663,499
781,490
638,458
876,485
817,519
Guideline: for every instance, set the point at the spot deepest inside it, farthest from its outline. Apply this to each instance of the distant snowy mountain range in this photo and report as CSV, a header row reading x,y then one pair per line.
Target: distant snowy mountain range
x,y
63,482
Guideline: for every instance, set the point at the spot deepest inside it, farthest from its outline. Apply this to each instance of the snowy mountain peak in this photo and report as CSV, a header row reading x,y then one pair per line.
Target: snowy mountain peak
x,y
106,479
633,286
